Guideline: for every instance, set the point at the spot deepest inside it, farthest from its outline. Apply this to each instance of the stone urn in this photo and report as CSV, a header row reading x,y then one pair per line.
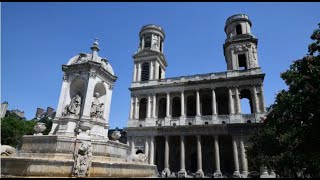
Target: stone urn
x,y
116,135
39,128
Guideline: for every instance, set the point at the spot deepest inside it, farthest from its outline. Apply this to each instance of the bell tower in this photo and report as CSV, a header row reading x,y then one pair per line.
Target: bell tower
x,y
240,47
149,61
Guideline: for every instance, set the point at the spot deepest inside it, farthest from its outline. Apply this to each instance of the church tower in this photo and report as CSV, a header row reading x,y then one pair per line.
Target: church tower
x,y
149,61
240,47
85,97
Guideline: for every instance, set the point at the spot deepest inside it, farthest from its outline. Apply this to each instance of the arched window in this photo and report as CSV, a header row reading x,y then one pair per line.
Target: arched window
x,y
143,109
145,72
242,61
176,107
238,29
162,108
147,42
191,105
139,152
206,104
246,102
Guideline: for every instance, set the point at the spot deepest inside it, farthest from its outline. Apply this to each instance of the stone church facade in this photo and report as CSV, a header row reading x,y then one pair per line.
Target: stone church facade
x,y
195,124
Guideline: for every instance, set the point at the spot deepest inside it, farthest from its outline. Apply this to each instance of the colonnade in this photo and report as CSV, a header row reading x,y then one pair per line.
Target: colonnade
x,y
236,143
234,103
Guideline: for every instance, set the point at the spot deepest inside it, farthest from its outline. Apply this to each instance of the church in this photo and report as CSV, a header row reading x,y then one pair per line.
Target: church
x,y
194,124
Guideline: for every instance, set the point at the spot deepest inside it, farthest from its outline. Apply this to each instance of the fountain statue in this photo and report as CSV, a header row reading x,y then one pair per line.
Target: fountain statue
x,y
78,143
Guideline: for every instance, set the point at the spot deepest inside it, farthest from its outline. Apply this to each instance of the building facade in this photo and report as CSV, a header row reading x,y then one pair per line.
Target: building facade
x,y
195,124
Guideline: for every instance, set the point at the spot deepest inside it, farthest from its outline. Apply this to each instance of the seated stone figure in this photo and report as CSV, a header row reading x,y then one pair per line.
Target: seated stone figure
x,y
73,107
96,107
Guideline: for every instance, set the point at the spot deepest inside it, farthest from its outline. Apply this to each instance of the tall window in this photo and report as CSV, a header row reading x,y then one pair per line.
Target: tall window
x,y
143,109
161,45
145,72
242,61
176,107
162,108
160,72
147,42
238,29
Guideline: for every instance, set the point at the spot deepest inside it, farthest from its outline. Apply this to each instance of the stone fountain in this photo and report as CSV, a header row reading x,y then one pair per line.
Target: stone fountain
x,y
78,143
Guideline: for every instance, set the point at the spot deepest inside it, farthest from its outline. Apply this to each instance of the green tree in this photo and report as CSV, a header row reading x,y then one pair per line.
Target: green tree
x,y
289,138
13,128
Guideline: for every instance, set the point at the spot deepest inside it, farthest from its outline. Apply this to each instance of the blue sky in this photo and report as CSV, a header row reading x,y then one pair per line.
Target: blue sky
x,y
37,38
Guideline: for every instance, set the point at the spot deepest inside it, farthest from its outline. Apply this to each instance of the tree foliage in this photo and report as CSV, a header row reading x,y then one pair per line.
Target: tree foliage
x,y
13,128
289,137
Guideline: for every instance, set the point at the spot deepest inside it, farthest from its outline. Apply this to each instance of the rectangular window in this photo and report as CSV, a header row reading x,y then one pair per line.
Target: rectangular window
x,y
242,61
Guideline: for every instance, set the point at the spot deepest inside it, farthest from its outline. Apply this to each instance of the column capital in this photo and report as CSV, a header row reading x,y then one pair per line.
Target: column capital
x,y
213,88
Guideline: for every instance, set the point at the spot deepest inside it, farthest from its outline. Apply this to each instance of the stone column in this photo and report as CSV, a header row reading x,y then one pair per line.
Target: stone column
x,y
146,147
139,72
182,104
151,71
231,105
134,72
151,159
166,156
156,70
198,103
136,113
217,155
262,99
142,43
199,172
214,102
132,146
168,104
235,156
244,161
182,172
149,106
88,96
131,107
238,101
256,100
154,104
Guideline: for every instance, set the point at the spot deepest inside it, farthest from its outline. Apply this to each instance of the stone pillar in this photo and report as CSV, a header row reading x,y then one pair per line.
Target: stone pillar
x,y
235,156
136,109
132,146
151,71
198,102
88,97
168,104
263,107
166,169
238,101
131,107
244,161
139,72
134,72
142,43
256,100
199,172
182,104
149,106
154,104
156,70
146,147
151,159
231,105
182,172
214,102
217,155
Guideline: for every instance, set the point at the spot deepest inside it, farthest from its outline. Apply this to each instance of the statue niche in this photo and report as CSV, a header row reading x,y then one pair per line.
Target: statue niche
x,y
74,106
96,107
